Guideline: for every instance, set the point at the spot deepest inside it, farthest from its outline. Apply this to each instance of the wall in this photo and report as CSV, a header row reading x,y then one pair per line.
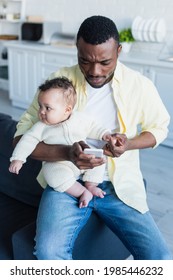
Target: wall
x,y
72,12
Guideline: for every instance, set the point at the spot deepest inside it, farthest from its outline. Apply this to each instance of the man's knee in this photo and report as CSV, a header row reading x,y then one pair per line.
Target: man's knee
x,y
50,251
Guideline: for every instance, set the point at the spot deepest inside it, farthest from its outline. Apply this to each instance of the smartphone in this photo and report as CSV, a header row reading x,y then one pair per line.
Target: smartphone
x,y
93,151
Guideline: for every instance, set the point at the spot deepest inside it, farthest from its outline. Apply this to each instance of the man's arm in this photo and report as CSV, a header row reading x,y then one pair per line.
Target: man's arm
x,y
74,153
119,143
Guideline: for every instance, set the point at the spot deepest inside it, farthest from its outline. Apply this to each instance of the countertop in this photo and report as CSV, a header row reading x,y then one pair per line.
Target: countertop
x,y
42,47
140,53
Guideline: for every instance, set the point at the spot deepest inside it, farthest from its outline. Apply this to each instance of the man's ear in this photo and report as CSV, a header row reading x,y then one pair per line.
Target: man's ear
x,y
119,49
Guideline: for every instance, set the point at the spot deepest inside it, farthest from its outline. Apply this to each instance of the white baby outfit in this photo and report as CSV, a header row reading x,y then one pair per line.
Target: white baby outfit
x,y
61,175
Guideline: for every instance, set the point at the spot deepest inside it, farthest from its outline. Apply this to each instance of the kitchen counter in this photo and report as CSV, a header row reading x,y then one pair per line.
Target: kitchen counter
x,y
147,54
145,59
42,47
142,53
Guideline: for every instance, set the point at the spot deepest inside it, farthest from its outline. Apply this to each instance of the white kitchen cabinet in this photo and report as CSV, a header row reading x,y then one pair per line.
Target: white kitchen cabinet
x,y
30,65
162,77
51,62
135,66
3,73
24,76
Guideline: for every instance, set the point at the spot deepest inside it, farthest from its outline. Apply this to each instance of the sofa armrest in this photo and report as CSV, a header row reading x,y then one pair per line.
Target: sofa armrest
x,y
13,216
23,187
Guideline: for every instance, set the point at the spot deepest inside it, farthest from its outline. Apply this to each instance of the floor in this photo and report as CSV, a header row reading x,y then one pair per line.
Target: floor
x,y
5,106
157,168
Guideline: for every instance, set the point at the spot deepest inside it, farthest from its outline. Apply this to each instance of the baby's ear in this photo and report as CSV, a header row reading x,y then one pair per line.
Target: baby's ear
x,y
68,109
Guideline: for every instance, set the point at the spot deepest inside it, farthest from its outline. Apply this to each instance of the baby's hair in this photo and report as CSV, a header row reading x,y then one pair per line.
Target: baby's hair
x,y
66,86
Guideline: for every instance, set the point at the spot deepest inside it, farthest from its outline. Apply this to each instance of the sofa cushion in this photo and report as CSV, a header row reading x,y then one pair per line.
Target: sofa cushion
x,y
23,187
23,242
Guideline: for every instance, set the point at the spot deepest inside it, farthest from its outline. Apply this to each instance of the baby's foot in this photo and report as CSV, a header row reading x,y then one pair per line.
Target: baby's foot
x,y
85,199
95,190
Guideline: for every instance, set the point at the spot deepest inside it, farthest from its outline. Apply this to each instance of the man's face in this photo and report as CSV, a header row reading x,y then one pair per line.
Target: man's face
x,y
98,62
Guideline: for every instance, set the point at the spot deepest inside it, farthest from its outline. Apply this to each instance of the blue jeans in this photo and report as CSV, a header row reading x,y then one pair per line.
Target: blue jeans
x,y
60,221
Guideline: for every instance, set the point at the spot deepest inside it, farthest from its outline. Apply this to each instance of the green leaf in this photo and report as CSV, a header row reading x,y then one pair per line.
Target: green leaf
x,y
126,35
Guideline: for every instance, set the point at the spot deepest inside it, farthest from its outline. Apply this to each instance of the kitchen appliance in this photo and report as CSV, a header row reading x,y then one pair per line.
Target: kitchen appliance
x,y
39,31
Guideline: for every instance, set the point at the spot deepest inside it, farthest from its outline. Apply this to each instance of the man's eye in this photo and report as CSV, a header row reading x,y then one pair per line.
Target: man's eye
x,y
105,62
83,61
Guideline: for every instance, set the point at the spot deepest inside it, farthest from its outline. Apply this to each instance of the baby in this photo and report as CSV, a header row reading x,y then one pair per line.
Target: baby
x,y
58,124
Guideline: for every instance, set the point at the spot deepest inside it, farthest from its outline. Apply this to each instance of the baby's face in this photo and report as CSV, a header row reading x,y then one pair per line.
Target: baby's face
x,y
52,107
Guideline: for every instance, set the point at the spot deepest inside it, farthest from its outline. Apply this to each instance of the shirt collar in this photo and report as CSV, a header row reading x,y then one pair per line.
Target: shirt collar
x,y
118,72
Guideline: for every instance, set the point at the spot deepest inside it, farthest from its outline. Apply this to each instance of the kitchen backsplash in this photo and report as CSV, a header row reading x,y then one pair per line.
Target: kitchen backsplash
x,y
72,12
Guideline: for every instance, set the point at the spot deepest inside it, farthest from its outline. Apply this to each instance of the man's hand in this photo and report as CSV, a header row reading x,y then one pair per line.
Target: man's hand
x,y
116,146
81,160
119,143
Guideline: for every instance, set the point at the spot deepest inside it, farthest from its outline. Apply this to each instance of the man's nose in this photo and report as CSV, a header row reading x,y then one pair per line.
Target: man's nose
x,y
95,70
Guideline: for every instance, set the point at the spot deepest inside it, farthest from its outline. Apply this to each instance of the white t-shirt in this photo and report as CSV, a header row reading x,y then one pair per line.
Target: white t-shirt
x,y
102,108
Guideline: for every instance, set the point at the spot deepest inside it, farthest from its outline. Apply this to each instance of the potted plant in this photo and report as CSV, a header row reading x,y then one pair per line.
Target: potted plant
x,y
126,39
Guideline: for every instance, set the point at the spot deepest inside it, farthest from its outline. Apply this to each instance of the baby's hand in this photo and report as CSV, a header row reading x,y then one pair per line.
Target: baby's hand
x,y
15,166
117,145
106,137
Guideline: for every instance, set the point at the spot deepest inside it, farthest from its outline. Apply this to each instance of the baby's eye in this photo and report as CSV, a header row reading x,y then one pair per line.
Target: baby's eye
x,y
48,108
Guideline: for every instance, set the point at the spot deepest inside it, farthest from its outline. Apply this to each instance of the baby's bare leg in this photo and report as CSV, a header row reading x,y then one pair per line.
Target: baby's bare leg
x,y
79,191
92,187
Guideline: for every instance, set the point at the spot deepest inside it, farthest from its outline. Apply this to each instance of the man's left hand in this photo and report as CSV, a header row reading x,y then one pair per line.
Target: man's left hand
x,y
116,145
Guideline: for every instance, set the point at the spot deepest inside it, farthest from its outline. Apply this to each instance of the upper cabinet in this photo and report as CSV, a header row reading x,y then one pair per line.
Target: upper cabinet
x,y
12,12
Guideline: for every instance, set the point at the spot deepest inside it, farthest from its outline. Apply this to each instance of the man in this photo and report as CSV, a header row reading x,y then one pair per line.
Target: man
x,y
121,100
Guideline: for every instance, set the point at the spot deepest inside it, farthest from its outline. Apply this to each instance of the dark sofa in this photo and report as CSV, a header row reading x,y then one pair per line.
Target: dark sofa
x,y
19,200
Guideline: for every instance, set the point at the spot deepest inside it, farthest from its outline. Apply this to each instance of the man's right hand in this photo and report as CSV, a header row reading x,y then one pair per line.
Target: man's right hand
x,y
81,160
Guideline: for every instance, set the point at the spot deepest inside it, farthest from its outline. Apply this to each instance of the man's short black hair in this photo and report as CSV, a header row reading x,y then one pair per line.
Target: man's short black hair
x,y
97,30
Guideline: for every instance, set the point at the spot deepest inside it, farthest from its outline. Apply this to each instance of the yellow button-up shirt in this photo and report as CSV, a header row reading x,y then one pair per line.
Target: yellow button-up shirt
x,y
138,104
